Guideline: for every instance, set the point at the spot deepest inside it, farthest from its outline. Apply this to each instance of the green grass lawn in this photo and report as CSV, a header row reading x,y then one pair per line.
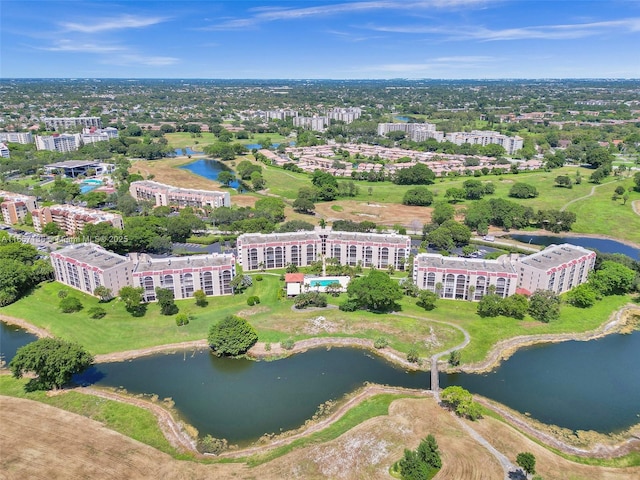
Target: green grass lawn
x,y
275,321
129,420
260,137
185,139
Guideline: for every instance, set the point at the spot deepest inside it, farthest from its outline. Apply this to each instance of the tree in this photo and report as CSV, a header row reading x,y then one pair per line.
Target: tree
x,y
490,306
454,358
225,178
103,293
455,194
231,336
442,212
96,312
53,361
418,196
427,299
612,278
51,229
412,468
564,181
527,461
429,452
523,190
636,180
201,298
377,291
303,205
166,301
544,306
132,298
70,305
461,401
582,296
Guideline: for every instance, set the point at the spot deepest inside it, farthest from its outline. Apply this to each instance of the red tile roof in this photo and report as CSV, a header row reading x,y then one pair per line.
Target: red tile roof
x,y
294,278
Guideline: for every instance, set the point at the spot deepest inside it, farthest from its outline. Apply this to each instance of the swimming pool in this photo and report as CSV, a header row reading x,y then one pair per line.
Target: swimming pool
x,y
323,283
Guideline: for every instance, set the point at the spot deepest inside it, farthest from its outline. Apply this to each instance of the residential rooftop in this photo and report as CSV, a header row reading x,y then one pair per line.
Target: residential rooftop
x,y
555,255
434,260
145,263
91,254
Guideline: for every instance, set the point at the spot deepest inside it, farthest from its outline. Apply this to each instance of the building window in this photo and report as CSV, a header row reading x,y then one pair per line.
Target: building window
x,y
368,256
225,282
552,282
311,254
431,282
253,259
352,258
72,273
449,283
167,282
187,285
461,286
207,280
383,257
279,257
336,252
148,286
481,288
501,285
400,258
270,258
295,255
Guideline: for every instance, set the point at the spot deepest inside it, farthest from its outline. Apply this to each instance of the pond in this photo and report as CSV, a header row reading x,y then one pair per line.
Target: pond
x,y
209,169
11,339
240,399
604,245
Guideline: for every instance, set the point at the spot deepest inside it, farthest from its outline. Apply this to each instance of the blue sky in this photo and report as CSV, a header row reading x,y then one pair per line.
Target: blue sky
x,y
320,39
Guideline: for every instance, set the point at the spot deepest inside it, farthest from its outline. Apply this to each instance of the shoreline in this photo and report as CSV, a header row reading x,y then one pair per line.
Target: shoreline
x,y
547,233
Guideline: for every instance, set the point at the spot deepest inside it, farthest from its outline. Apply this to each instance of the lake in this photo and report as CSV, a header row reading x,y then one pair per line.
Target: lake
x,y
209,169
604,245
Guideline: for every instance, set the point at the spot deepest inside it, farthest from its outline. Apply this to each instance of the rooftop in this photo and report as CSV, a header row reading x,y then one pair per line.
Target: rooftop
x,y
434,260
555,255
252,238
92,254
146,263
73,164
171,188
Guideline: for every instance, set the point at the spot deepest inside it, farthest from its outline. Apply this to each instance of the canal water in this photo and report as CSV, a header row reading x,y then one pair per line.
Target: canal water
x,y
604,245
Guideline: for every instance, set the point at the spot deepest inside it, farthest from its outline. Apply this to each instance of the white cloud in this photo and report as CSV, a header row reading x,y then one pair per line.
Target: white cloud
x,y
434,65
116,23
71,46
270,14
144,60
541,32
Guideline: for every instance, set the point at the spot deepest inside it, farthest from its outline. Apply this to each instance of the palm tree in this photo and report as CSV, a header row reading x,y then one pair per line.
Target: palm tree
x,y
439,289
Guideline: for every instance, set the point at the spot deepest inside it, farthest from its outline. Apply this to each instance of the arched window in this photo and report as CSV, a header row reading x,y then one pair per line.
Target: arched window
x,y
167,282
207,283
295,255
431,281
336,252
149,291
270,257
383,259
481,287
400,258
225,282
461,286
449,283
311,254
352,255
279,257
253,259
187,285
368,256
501,284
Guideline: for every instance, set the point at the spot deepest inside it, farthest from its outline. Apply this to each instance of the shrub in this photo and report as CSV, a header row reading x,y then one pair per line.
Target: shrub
x,y
381,342
70,304
413,356
231,336
211,444
287,344
310,299
253,300
349,305
454,358
182,319
96,312
62,293
258,278
267,346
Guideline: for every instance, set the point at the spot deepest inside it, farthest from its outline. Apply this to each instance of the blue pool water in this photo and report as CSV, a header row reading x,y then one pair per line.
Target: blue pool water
x,y
322,283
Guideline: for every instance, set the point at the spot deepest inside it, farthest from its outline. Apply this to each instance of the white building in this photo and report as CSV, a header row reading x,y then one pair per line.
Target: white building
x,y
184,275
277,250
417,132
346,115
557,268
4,151
86,266
94,135
164,195
16,137
62,143
484,138
318,124
65,123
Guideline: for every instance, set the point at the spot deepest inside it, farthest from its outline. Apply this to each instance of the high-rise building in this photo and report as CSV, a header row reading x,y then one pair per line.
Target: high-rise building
x,y
72,219
65,123
15,207
164,195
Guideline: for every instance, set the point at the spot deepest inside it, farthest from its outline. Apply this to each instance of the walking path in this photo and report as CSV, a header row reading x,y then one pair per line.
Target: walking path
x,y
593,190
636,206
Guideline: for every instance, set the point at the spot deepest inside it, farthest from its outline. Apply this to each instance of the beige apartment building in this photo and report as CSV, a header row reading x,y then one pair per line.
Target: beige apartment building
x,y
184,275
277,250
72,219
86,266
164,195
15,207
557,268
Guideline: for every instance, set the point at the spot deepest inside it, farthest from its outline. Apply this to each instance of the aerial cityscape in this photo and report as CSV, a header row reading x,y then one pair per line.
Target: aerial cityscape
x,y
317,239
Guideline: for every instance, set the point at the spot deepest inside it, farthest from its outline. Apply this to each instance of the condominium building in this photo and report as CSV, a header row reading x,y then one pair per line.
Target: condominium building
x,y
277,250
86,266
484,138
418,132
94,135
65,123
63,143
557,268
72,219
346,115
280,114
164,195
4,151
318,124
16,137
463,278
184,275
15,207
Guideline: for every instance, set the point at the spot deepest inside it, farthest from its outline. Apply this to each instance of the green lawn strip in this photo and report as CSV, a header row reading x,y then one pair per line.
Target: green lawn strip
x,y
134,422
600,214
486,332
284,183
186,139
260,137
369,408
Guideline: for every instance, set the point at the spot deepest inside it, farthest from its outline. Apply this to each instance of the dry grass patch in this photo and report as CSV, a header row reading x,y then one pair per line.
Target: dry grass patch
x,y
381,213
